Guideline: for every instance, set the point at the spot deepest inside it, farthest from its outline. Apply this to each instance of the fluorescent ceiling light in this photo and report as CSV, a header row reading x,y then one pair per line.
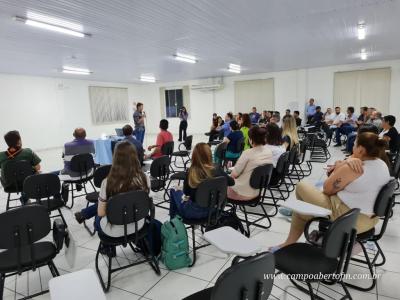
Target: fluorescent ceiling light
x,y
147,78
77,71
234,68
53,24
363,54
185,58
361,31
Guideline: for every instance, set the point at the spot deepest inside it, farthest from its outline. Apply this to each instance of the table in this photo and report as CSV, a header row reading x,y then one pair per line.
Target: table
x,y
230,241
104,150
305,208
82,284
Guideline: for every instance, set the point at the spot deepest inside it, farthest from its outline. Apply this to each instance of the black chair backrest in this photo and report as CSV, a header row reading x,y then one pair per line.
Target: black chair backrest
x,y
160,167
15,172
282,166
398,144
128,208
100,174
167,148
41,186
250,279
293,154
339,234
220,151
188,142
383,202
211,193
396,167
261,176
23,226
82,164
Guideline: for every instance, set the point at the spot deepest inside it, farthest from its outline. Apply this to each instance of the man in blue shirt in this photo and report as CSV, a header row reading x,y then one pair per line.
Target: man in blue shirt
x,y
80,145
254,116
226,128
310,110
128,133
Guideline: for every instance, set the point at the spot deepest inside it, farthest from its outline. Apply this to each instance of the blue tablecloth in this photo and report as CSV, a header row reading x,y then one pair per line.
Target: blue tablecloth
x,y
103,154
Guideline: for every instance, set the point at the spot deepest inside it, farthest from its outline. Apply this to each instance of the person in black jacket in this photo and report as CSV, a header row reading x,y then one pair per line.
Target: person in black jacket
x,y
183,202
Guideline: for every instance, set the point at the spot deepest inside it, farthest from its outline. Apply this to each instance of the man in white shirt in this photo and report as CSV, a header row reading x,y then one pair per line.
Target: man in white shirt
x,y
336,118
347,126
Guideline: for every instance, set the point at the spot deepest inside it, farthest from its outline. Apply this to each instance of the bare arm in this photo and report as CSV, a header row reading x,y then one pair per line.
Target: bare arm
x,y
37,168
101,208
339,179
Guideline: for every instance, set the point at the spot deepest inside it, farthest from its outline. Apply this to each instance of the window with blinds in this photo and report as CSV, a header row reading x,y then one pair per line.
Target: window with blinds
x,y
369,88
259,93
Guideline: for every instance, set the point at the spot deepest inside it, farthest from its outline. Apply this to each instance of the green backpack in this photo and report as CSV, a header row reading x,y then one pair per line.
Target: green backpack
x,y
175,246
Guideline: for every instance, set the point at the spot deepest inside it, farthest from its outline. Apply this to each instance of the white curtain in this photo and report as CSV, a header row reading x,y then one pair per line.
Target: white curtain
x,y
108,104
363,88
259,93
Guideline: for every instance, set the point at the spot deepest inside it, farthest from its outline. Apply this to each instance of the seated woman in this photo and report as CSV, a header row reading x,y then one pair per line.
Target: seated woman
x,y
346,188
274,142
244,128
183,202
125,175
233,139
163,137
248,161
289,132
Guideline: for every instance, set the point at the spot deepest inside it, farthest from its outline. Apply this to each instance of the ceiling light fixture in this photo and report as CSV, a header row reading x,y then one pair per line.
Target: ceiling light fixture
x,y
147,78
361,31
363,54
77,71
52,26
185,58
234,68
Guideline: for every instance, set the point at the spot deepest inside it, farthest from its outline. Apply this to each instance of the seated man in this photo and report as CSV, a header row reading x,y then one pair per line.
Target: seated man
x,y
162,138
347,126
254,116
351,137
389,132
296,115
80,145
225,128
316,119
336,118
127,130
15,152
363,117
376,119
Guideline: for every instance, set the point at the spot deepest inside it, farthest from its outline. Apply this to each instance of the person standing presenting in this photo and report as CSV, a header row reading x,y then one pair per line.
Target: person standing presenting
x,y
138,118
183,116
310,110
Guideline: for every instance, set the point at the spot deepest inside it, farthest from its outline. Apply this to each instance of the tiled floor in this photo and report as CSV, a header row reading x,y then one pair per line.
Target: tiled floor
x,y
140,282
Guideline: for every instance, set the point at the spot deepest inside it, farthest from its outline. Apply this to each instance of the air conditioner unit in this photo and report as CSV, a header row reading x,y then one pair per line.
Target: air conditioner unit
x,y
209,85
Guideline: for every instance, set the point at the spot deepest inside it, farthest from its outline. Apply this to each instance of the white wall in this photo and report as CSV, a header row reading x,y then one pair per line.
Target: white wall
x,y
291,87
46,110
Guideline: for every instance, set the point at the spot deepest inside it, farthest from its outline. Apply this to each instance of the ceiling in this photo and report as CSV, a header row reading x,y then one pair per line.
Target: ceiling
x,y
131,37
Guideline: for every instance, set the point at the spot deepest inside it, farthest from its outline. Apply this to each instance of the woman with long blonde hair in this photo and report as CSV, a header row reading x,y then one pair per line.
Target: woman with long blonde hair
x,y
202,168
289,132
125,175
